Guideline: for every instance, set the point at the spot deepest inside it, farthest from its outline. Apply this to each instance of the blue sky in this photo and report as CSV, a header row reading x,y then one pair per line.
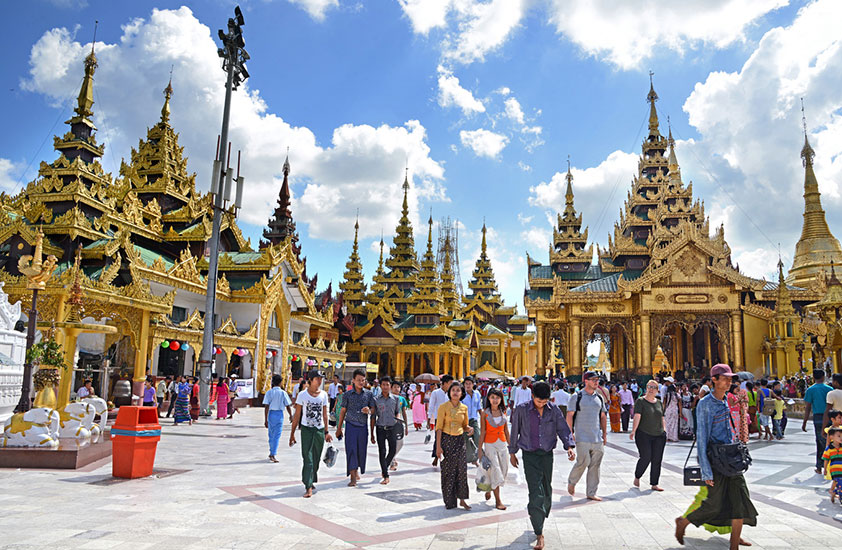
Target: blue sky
x,y
484,100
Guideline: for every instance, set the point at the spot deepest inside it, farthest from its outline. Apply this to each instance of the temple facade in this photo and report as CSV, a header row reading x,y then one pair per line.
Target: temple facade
x,y
412,319
665,295
140,241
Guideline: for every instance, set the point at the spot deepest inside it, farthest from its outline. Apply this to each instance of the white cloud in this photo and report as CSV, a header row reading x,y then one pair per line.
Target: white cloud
x,y
451,93
627,32
484,143
316,8
523,166
9,175
425,15
514,110
750,123
362,167
473,28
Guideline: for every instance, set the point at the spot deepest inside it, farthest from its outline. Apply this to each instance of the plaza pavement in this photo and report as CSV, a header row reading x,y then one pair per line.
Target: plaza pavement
x,y
215,489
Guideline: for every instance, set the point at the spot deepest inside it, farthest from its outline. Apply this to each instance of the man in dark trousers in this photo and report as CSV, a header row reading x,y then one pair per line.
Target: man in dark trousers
x,y
538,417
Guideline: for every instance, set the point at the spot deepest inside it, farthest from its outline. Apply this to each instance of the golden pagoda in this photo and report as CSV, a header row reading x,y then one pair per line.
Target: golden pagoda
x,y
142,267
817,249
664,290
412,322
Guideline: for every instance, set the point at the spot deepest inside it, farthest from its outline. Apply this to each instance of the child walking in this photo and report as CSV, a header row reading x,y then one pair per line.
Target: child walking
x,y
833,462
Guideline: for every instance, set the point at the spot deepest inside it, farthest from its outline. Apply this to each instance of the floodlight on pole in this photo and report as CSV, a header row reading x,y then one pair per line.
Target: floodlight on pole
x,y
233,63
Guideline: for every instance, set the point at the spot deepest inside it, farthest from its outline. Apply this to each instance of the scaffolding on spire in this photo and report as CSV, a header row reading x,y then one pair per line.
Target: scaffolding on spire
x,y
449,242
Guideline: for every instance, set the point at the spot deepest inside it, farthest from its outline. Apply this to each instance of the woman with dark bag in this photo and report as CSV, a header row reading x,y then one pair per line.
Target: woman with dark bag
x,y
723,459
649,434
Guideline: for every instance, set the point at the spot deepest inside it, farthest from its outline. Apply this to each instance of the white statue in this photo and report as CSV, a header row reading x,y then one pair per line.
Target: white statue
x,y
34,428
77,419
100,408
12,351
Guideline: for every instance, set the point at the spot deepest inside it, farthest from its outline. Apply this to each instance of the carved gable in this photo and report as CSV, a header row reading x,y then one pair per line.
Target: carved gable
x,y
689,266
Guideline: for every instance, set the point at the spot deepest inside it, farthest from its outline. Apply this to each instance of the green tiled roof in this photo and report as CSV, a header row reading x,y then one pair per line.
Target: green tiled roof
x,y
407,322
609,283
149,257
242,257
237,282
97,243
491,329
539,293
540,271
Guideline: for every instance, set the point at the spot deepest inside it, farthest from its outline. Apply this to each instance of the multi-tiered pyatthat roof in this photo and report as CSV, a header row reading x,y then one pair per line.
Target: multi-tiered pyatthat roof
x,y
427,298
353,286
657,204
817,250
403,265
570,252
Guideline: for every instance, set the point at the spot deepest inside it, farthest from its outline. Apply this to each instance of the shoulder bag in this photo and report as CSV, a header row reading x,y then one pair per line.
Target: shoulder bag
x,y
729,459
692,474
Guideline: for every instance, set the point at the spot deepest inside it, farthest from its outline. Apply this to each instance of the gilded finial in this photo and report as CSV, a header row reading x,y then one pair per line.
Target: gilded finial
x,y
652,97
807,153
484,245
165,110
85,100
286,164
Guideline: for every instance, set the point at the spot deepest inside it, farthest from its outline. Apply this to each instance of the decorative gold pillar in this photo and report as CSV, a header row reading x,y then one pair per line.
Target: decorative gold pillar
x,y
638,361
691,349
523,371
737,327
575,347
539,334
69,348
399,363
436,365
140,356
645,344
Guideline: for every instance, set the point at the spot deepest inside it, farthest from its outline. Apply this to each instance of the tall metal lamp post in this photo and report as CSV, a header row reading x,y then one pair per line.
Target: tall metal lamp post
x,y
234,57
37,271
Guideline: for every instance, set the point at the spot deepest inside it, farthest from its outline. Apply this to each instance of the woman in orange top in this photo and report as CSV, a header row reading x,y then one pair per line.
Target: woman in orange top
x,y
494,439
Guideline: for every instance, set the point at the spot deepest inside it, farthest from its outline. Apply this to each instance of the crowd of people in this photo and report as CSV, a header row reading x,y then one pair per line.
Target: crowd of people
x,y
488,423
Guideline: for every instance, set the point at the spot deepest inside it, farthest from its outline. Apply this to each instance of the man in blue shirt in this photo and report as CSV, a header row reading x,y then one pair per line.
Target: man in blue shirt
x,y
727,502
357,404
274,403
816,398
472,400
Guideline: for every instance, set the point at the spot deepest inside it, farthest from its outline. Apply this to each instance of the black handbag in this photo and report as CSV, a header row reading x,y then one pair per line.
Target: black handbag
x,y
729,459
693,474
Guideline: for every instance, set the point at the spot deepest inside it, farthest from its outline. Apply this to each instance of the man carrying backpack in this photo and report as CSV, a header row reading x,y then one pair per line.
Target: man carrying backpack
x,y
587,415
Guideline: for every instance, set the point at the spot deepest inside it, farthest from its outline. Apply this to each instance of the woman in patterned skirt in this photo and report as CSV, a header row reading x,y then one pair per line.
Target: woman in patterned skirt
x,y
451,425
182,402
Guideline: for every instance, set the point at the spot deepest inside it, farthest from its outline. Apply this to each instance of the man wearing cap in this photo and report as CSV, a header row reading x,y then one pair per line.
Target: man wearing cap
x,y
311,414
357,404
727,503
587,414
668,381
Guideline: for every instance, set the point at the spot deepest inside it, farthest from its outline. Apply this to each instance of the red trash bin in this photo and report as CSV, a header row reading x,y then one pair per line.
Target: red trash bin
x,y
134,440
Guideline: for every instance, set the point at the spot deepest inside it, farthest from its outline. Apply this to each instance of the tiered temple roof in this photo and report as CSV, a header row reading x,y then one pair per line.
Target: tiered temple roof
x,y
570,251
402,276
353,286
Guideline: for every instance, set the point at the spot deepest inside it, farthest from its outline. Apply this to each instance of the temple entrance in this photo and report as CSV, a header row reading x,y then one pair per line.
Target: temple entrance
x,y
692,348
609,349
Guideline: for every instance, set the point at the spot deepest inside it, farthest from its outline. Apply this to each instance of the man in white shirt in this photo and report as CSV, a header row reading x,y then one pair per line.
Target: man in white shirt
x,y
437,398
560,398
522,393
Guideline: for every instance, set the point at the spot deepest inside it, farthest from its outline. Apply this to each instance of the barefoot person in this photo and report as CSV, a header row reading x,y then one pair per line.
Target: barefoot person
x,y
274,403
384,423
649,434
587,415
727,501
357,404
538,417
494,443
311,414
451,425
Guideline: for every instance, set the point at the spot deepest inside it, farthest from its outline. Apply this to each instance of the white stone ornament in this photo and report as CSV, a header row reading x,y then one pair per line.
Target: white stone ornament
x,y
34,428
12,352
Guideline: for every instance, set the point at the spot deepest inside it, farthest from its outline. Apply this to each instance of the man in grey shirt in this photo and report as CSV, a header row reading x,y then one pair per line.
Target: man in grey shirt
x,y
387,409
587,415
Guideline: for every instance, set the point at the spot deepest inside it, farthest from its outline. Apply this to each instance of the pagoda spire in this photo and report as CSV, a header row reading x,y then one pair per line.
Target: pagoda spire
x,y
281,225
448,287
165,110
85,99
817,249
783,306
569,210
427,299
568,250
353,286
403,262
652,97
483,286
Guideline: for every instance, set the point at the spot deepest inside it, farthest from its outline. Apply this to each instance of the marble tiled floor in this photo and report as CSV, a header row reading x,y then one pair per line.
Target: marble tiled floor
x,y
215,489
